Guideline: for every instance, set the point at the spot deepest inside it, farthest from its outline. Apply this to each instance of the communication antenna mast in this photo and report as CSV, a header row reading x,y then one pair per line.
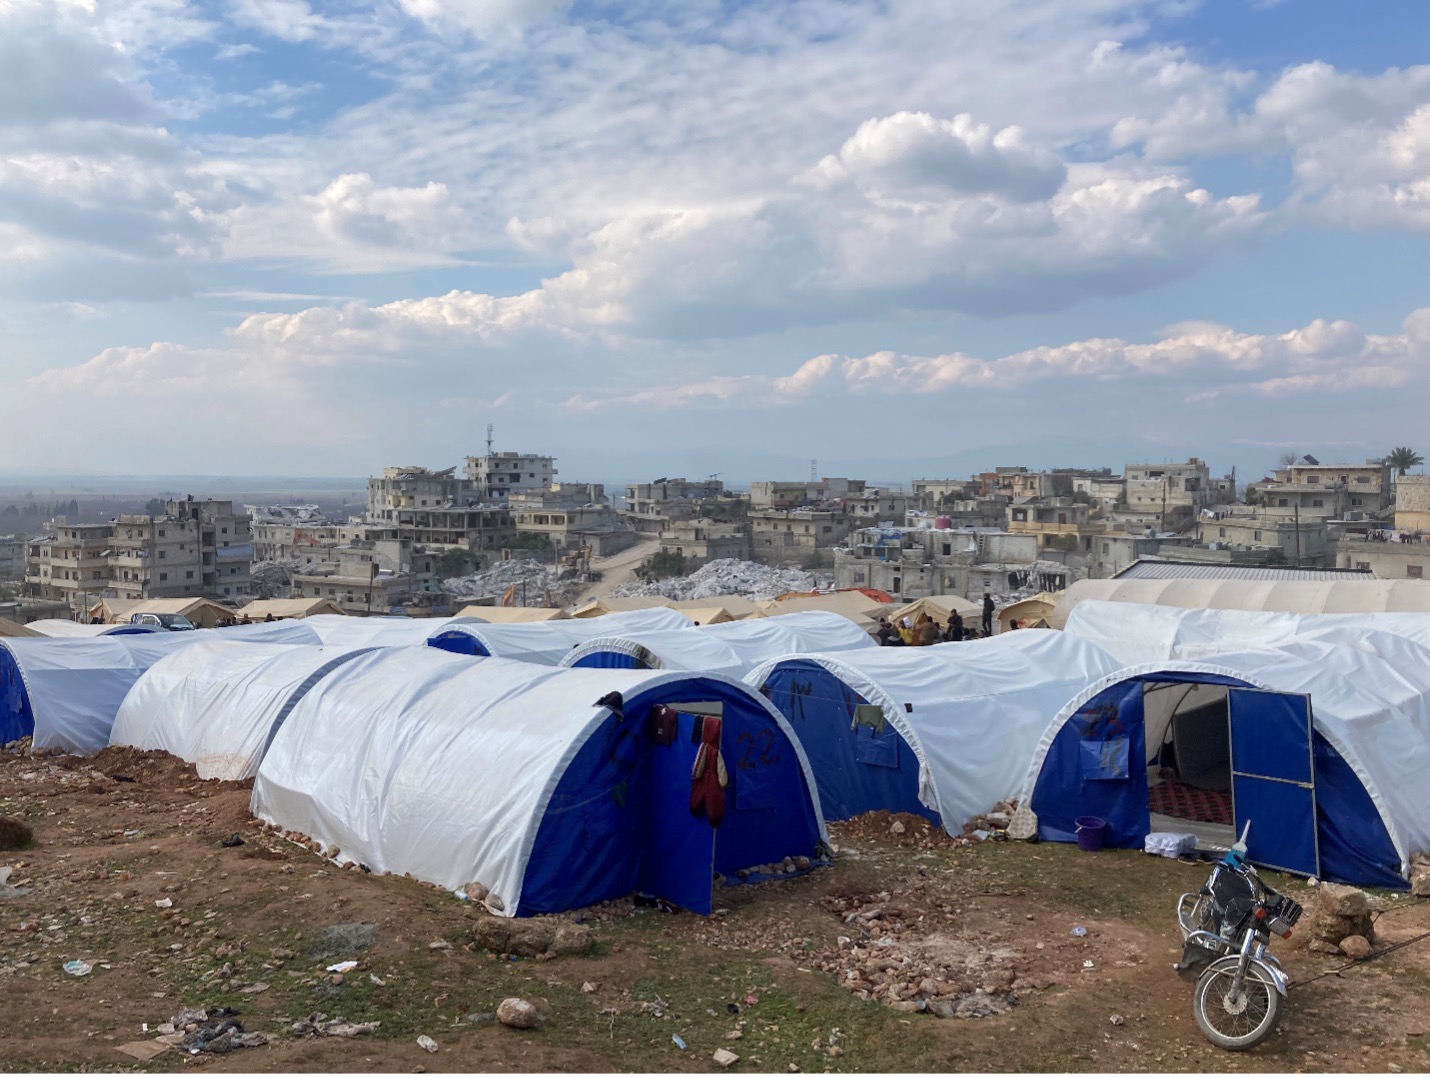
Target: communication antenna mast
x,y
813,470
489,439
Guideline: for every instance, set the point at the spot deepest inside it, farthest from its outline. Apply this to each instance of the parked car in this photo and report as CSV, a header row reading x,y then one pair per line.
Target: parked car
x,y
172,622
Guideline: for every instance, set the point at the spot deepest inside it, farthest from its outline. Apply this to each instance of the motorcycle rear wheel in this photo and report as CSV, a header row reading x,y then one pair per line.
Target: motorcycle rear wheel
x,y
1239,1023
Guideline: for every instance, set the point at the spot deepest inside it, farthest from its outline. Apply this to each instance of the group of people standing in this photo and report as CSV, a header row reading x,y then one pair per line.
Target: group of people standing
x,y
923,630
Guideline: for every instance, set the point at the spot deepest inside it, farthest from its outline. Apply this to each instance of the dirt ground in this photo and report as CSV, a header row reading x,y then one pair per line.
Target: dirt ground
x,y
775,976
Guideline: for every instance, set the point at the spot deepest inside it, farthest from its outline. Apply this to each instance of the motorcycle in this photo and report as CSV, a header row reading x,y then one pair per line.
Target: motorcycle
x,y
1226,929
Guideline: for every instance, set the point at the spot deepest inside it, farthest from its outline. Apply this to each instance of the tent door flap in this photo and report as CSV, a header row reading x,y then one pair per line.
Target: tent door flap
x,y
1273,778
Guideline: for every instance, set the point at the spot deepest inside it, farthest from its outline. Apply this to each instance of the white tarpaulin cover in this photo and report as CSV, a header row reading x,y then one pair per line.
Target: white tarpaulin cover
x,y
58,627
347,631
969,715
1356,595
1370,704
218,704
1140,633
732,648
419,761
66,692
546,643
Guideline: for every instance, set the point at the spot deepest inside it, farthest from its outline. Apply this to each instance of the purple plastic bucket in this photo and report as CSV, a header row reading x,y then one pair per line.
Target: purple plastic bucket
x,y
1090,832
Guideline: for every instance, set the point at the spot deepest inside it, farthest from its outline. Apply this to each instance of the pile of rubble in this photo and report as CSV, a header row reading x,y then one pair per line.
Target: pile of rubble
x,y
1341,921
884,957
536,583
729,576
1420,875
274,579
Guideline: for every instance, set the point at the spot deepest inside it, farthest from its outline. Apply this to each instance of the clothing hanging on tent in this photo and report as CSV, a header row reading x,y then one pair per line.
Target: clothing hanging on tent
x,y
662,725
708,778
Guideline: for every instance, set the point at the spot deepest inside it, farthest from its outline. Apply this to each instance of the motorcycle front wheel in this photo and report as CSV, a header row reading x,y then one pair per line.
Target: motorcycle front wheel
x,y
1241,1021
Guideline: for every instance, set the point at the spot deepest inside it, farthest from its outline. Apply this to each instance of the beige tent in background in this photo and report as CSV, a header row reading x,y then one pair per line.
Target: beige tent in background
x,y
14,628
204,613
608,604
1034,612
706,615
1357,596
939,607
512,615
737,606
854,605
259,609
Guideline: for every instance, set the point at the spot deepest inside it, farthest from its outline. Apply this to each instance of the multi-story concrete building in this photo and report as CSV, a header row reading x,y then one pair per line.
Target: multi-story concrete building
x,y
1106,490
1059,524
1017,483
1163,488
913,562
796,536
12,557
197,548
1306,542
497,476
1365,487
438,508
785,494
653,507
376,576
1387,560
932,494
702,541
572,516
1412,504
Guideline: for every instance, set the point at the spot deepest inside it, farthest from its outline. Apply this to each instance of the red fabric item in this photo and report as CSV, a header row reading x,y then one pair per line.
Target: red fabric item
x,y
707,777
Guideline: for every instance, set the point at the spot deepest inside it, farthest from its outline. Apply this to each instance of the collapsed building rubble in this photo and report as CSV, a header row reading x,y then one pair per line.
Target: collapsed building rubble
x,y
535,583
729,576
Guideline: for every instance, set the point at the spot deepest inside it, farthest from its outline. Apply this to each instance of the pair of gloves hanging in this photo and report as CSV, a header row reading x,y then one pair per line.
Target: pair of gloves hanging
x,y
708,778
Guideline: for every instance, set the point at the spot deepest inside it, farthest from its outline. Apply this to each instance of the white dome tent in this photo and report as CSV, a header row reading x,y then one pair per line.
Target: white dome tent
x,y
219,704
347,631
65,693
553,788
732,648
952,725
1322,746
546,643
1139,633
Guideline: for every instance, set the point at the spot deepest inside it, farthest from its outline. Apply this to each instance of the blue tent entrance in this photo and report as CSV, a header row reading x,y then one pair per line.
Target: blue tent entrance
x,y
1309,811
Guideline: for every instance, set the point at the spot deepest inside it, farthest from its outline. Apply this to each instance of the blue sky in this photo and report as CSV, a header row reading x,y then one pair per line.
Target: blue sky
x,y
301,237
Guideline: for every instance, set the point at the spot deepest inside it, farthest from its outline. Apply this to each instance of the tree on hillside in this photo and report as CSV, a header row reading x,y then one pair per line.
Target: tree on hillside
x,y
1402,458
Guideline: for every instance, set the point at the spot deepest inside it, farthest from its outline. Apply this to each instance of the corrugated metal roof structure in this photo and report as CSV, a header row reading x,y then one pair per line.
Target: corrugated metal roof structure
x,y
1343,595
1157,569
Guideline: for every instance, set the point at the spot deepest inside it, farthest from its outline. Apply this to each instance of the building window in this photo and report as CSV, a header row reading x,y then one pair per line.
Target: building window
x,y
1256,536
163,553
1317,503
163,576
1363,565
1415,572
161,533
189,575
1221,534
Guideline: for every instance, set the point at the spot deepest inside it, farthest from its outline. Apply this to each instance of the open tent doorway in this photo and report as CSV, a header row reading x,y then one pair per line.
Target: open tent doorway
x,y
1189,760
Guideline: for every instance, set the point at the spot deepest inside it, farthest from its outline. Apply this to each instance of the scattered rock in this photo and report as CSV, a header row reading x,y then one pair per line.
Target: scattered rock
x,y
897,828
1420,875
344,939
518,1014
588,987
316,1025
475,891
723,1057
14,834
426,1043
1356,947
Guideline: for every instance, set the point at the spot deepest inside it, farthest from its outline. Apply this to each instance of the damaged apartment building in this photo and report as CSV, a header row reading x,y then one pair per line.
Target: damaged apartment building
x,y
801,523
194,548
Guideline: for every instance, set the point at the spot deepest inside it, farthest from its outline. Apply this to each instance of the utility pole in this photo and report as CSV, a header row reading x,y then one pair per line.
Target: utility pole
x,y
371,577
1298,531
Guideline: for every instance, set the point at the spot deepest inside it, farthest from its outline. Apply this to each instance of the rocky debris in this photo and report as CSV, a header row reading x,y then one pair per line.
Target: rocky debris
x,y
518,1014
198,1030
1420,875
320,1025
887,957
426,1043
1338,913
728,576
1356,947
533,937
476,891
723,1057
790,866
14,834
898,828
20,746
544,585
344,939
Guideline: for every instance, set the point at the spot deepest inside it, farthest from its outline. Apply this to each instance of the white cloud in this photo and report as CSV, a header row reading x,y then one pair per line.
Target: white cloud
x,y
354,208
914,155
1202,361
1359,144
484,17
288,20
